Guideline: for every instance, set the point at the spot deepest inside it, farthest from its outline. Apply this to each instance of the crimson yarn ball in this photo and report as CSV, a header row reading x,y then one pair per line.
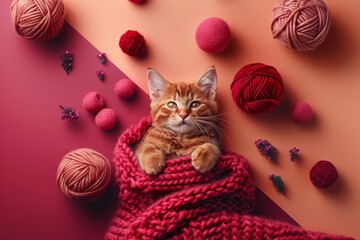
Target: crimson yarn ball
x,y
257,88
93,102
132,43
302,112
125,88
106,119
323,174
213,35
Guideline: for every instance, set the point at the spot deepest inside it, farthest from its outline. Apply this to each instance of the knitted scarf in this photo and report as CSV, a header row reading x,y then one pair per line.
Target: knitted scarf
x,y
181,203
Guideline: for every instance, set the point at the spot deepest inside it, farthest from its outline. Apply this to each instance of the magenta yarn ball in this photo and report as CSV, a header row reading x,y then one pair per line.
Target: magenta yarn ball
x,y
213,35
125,88
302,25
302,112
323,174
93,102
106,119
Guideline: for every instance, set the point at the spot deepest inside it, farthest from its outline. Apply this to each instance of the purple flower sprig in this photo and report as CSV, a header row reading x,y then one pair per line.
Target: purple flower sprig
x,y
102,58
266,149
294,154
68,114
66,61
100,74
277,182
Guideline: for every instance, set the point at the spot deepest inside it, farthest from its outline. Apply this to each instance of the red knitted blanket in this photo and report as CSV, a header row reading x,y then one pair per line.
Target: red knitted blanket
x,y
181,203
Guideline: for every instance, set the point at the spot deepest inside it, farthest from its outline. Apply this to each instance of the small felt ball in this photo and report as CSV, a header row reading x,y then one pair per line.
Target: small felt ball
x,y
323,174
106,119
93,102
132,43
213,35
125,88
302,112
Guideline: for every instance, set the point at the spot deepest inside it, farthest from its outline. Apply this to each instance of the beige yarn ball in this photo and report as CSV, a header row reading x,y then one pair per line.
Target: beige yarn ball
x,y
38,19
84,175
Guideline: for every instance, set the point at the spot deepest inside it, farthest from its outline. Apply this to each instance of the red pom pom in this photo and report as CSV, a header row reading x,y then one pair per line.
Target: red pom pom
x,y
213,35
106,119
257,88
302,112
93,102
133,43
323,174
125,88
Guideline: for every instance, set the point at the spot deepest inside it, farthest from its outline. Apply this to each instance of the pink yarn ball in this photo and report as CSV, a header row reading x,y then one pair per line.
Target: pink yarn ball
x,y
84,175
106,119
213,35
302,112
93,102
125,88
302,25
38,20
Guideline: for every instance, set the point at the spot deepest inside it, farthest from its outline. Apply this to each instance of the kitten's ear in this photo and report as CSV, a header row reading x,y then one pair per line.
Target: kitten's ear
x,y
208,82
156,84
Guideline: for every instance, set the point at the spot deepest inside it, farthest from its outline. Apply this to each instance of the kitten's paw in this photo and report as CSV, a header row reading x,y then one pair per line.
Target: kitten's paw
x,y
152,163
204,158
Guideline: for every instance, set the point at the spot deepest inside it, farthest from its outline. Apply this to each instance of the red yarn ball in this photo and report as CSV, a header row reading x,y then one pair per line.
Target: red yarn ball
x,y
125,88
93,102
302,112
323,174
213,35
257,88
132,43
106,119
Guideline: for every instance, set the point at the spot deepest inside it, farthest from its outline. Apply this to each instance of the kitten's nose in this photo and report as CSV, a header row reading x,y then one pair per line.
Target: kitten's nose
x,y
183,115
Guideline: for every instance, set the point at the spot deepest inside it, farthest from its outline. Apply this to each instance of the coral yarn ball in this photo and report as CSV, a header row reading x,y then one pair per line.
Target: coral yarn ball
x,y
84,175
302,112
302,25
257,88
125,88
93,102
38,20
132,43
323,174
106,119
213,35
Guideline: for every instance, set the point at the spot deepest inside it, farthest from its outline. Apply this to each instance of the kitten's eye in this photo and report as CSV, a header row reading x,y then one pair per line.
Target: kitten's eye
x,y
195,104
171,105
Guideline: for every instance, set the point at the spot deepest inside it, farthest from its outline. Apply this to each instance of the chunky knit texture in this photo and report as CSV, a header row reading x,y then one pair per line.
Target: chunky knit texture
x,y
181,203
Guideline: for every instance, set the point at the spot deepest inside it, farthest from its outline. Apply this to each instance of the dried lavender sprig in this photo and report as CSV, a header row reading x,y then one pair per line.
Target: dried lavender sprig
x,y
277,182
294,154
100,74
68,114
266,149
66,61
102,58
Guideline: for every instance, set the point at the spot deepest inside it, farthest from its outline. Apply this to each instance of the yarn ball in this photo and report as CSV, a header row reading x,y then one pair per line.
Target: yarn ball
x,y
38,20
106,119
257,88
302,25
125,88
302,112
137,1
213,35
323,174
93,102
132,43
84,175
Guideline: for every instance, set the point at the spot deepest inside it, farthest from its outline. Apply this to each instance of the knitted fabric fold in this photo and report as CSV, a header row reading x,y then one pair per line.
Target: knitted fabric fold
x,y
181,203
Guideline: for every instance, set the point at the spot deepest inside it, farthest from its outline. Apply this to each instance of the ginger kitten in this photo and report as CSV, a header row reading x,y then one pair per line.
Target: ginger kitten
x,y
183,122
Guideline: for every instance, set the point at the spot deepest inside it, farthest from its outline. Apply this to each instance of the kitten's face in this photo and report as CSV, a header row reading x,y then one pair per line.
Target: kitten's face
x,y
183,107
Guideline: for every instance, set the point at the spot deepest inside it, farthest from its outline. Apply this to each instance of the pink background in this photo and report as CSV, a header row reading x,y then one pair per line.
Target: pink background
x,y
34,139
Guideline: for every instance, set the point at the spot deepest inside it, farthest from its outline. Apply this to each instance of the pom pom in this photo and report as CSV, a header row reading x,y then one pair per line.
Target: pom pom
x,y
277,182
302,25
323,174
106,119
38,20
302,112
125,88
93,102
84,175
132,43
266,149
213,35
257,88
